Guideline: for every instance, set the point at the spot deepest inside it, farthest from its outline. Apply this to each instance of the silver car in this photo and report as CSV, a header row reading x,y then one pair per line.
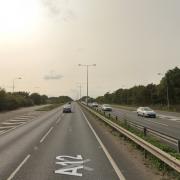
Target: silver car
x,y
94,104
106,107
67,108
146,112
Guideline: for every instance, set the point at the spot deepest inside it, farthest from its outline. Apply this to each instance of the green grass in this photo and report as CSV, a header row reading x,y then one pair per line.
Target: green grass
x,y
49,107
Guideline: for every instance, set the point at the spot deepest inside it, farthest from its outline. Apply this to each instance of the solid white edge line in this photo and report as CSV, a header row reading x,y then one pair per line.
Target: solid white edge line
x,y
44,137
19,167
114,165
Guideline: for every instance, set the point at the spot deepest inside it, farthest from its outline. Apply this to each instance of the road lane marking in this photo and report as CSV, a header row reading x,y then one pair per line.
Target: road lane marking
x,y
19,167
1,131
11,123
114,165
170,118
70,165
59,118
44,137
157,123
166,117
6,127
17,120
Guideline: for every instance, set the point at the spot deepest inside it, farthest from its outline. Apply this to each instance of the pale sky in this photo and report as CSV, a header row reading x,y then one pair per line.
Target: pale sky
x,y
43,41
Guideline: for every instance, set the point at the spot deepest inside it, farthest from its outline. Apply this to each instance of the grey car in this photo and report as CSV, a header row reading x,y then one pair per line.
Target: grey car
x,y
146,112
67,108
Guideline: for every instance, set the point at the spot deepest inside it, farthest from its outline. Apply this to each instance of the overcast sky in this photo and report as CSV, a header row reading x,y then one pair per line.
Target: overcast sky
x,y
43,41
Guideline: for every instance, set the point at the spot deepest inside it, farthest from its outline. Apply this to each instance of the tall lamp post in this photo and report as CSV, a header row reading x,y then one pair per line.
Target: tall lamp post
x,y
87,67
80,87
167,91
14,82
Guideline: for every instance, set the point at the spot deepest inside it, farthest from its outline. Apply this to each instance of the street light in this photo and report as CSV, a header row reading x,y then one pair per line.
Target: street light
x,y
80,87
14,82
87,66
167,91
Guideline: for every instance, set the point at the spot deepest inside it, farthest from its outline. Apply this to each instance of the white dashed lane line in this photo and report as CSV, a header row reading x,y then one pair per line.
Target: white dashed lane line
x,y
44,137
19,167
59,119
157,123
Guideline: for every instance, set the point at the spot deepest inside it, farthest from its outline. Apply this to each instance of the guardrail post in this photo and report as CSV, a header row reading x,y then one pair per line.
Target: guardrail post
x,y
178,146
109,115
116,118
145,131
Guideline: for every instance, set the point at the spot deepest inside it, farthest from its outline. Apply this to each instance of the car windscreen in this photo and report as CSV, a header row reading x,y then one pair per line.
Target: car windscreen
x,y
147,109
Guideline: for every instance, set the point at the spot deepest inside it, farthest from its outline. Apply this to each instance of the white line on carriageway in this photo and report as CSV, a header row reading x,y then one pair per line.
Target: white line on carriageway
x,y
113,163
156,122
44,137
19,167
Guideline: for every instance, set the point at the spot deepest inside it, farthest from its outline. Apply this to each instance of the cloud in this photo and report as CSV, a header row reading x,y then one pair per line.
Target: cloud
x,y
53,6
53,76
59,9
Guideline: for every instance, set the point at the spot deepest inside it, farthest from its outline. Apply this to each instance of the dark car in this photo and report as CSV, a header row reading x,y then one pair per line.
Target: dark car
x,y
67,108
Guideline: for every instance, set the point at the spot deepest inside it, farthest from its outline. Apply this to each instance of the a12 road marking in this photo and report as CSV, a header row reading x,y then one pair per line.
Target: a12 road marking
x,y
71,165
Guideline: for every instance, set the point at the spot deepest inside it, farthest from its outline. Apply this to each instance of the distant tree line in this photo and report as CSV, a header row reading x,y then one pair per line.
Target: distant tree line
x,y
90,99
151,94
10,101
59,100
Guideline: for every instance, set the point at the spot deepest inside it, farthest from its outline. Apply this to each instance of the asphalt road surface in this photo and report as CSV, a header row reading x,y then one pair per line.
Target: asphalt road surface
x,y
166,123
18,112
57,146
